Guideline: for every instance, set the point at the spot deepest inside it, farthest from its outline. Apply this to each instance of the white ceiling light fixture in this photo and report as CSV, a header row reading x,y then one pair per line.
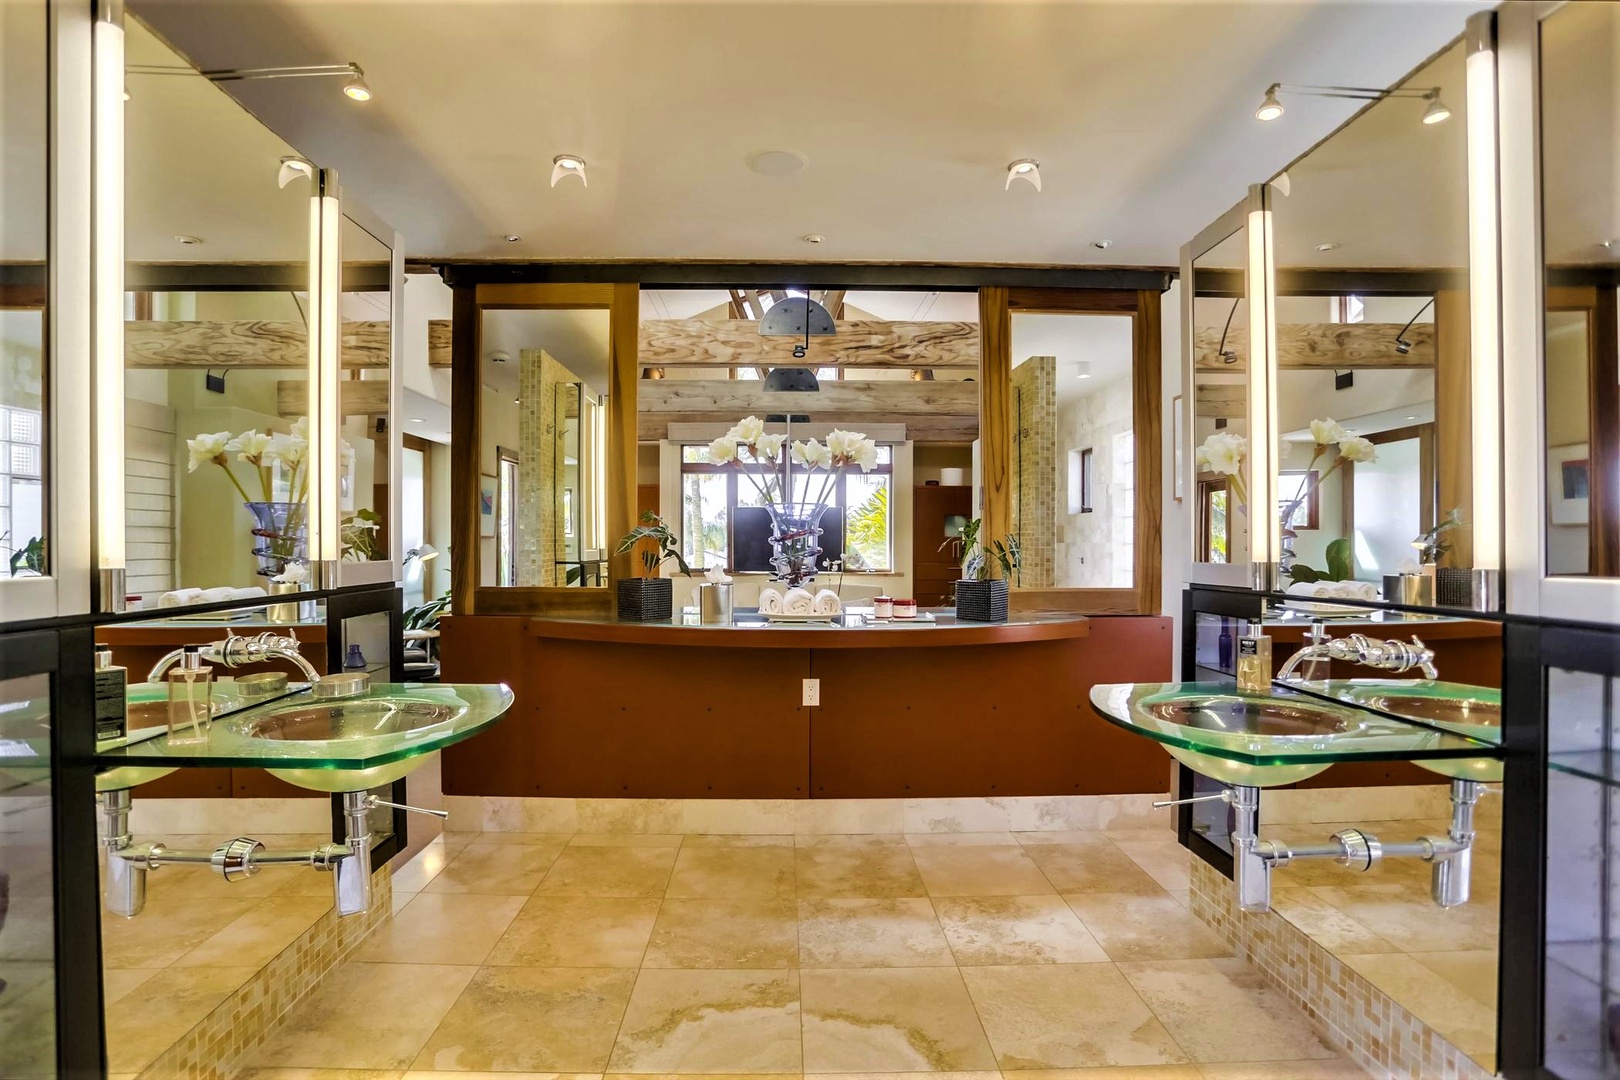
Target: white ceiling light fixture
x,y
1283,185
1329,245
778,163
356,89
511,238
1027,169
1271,108
1436,113
1102,245
814,238
187,239
292,168
1082,369
568,165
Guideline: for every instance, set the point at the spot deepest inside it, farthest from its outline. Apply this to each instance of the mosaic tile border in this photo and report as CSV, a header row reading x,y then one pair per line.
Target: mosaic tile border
x,y
1376,1032
213,1049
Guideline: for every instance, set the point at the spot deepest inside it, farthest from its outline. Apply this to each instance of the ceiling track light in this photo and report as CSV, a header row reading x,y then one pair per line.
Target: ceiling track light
x,y
568,165
1271,108
354,86
1403,346
1027,169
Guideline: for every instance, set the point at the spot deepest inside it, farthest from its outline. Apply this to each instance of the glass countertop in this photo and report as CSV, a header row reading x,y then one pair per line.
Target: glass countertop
x,y
1463,708
388,723
1274,727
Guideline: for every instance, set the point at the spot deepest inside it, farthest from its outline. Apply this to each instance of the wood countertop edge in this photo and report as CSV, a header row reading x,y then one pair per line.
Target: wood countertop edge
x,y
784,637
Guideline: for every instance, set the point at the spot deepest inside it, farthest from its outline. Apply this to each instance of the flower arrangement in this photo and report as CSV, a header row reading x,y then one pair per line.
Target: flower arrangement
x,y
749,443
1224,453
265,453
1330,437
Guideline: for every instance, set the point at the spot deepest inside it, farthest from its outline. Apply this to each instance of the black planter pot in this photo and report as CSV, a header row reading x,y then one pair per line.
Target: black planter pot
x,y
646,599
982,601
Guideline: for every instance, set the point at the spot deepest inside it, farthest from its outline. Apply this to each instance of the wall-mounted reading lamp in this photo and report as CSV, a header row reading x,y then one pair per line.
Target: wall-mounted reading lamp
x,y
1228,356
1403,346
1271,108
354,86
107,333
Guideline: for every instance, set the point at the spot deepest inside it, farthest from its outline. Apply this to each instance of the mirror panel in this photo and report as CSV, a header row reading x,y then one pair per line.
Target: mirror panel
x,y
1580,78
216,340
27,866
24,394
543,482
1220,405
1373,389
366,306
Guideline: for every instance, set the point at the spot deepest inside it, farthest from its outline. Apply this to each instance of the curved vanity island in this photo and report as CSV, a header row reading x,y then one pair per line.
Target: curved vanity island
x,y
610,709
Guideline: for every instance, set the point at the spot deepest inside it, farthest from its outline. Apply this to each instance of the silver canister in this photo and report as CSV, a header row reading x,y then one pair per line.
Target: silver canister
x,y
1417,589
282,613
714,604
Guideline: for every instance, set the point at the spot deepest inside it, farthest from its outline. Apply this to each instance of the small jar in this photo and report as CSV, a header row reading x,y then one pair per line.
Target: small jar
x,y
883,607
905,609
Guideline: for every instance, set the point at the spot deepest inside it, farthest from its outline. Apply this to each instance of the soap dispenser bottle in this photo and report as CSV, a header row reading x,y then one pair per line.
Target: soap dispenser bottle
x,y
1254,660
191,695
112,709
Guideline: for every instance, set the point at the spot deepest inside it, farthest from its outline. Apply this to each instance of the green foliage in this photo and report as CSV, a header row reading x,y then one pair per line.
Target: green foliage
x,y
359,536
1341,565
866,532
1006,552
426,616
652,528
31,556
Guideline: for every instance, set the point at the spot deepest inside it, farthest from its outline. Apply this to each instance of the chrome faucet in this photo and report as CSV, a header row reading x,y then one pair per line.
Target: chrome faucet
x,y
235,651
1395,656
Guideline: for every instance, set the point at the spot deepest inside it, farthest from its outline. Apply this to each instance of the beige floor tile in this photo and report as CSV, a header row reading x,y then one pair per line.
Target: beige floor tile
x,y
1132,927
1057,836
168,1005
733,871
1326,1069
979,871
961,839
1224,1010
424,866
319,1074
163,933
1456,1015
1056,1016
1165,861
1015,930
515,839
1408,919
1325,924
1114,1072
627,839
711,1021
577,931
402,1004
496,869
609,871
1474,970
428,1074
535,1019
116,983
259,935
896,931
1096,866
744,933
724,840
859,867
903,1019
442,928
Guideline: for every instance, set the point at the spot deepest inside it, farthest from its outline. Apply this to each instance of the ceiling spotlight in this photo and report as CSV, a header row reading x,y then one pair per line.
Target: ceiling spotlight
x,y
814,238
1102,245
292,168
187,239
417,420
1436,113
356,89
1082,369
568,165
1610,244
1024,169
1283,185
1329,246
1270,108
511,238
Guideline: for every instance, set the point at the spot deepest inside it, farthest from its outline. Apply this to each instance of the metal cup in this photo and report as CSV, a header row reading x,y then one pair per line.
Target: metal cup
x,y
282,613
714,604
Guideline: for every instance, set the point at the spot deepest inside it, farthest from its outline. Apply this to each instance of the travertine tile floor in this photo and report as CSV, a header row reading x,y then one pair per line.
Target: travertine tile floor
x,y
977,955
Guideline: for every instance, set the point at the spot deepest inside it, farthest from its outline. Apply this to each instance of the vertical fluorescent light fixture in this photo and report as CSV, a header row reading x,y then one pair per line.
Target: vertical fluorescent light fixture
x,y
1485,321
325,457
1264,528
107,46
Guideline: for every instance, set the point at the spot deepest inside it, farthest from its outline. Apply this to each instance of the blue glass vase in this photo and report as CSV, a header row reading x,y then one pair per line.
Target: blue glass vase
x,y
280,535
795,541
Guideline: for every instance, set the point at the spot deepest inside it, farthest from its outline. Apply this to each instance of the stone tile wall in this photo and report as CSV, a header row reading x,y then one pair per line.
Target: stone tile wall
x,y
1034,504
540,448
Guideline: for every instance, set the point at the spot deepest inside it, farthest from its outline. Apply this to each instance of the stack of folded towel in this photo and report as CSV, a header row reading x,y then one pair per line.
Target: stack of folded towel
x,y
826,602
186,597
798,602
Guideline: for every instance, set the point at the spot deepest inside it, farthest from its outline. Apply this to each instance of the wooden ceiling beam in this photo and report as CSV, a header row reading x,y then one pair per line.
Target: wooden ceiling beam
x,y
1323,345
738,343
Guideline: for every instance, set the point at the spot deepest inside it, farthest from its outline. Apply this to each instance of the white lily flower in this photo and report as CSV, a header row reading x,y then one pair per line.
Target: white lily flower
x,y
747,430
723,451
1355,448
289,450
812,455
207,448
866,455
769,447
1223,453
1328,431
300,428
249,446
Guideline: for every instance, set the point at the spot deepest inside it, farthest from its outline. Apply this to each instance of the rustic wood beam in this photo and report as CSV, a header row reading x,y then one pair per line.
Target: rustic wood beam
x,y
438,343
833,301
356,397
737,343
1227,401
936,428
741,397
1323,345
246,343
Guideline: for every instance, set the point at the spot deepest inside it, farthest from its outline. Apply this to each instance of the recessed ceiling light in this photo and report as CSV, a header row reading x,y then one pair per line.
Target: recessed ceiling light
x,y
1102,245
568,165
813,238
778,162
188,240
511,238
1610,244
1027,169
1082,369
1411,418
417,420
1329,246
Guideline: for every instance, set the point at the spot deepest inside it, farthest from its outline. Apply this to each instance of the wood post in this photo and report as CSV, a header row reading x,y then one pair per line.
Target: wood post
x,y
995,414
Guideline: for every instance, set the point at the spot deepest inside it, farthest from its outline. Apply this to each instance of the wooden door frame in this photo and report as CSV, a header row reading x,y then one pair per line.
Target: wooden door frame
x,y
996,308
1598,302
622,301
1428,478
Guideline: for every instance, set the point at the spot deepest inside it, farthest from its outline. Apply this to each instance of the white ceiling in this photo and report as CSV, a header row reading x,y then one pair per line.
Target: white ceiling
x,y
1580,132
1140,114
1103,342
576,339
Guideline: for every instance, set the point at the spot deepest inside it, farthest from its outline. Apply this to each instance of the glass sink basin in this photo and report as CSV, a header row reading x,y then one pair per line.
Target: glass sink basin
x,y
147,711
1475,711
1265,739
332,745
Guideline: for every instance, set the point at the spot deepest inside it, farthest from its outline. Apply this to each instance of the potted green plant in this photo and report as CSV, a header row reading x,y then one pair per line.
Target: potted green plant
x,y
649,597
980,597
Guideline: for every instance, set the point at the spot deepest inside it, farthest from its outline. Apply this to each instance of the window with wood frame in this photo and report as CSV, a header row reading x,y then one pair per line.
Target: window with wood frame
x,y
1214,507
1290,482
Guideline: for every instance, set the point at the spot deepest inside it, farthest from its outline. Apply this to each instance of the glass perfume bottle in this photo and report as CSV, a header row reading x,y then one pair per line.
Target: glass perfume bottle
x,y
1254,660
191,696
355,660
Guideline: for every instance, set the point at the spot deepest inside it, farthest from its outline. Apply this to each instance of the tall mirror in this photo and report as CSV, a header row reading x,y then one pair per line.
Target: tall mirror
x,y
366,308
216,340
1580,78
1219,428
24,505
1373,382
543,470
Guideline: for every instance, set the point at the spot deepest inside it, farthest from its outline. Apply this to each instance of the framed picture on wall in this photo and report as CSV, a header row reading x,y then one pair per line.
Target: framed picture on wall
x,y
486,505
1175,443
1568,484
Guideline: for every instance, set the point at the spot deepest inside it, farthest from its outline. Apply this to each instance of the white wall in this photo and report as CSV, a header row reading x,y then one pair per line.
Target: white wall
x,y
1176,535
1084,556
426,298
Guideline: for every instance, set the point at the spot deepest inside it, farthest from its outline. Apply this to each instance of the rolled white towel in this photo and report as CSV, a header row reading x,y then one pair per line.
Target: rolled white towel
x,y
179,598
826,602
1304,588
798,602
249,593
216,596
770,602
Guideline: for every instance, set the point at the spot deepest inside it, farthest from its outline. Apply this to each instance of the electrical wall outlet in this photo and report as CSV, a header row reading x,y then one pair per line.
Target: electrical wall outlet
x,y
812,692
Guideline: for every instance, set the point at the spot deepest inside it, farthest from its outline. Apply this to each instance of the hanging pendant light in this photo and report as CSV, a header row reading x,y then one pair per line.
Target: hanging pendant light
x,y
794,316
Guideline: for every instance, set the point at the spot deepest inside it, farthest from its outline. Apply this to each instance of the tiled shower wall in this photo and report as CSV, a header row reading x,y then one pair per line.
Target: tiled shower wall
x,y
1034,495
540,439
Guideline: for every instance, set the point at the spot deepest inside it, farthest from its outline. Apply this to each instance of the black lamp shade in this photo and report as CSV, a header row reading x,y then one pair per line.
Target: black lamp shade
x,y
797,316
794,379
